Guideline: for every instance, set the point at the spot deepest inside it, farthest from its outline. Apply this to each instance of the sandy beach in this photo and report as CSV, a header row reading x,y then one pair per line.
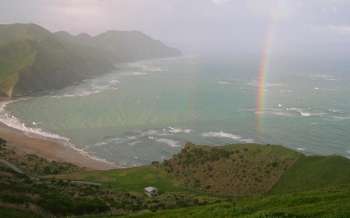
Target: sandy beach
x,y
49,148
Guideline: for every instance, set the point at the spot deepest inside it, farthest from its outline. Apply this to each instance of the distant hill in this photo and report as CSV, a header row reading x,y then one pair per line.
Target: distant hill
x,y
32,59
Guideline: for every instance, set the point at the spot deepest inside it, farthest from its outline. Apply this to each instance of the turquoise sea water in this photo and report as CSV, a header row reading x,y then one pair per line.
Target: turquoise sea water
x,y
146,111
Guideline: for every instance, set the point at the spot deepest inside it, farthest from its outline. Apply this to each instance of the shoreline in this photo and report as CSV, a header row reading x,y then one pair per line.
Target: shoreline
x,y
49,148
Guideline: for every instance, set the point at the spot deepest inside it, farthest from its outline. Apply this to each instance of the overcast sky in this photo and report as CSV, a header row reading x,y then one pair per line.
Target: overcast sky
x,y
197,25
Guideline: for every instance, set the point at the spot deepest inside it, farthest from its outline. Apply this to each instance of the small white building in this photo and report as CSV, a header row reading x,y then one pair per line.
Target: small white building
x,y
151,191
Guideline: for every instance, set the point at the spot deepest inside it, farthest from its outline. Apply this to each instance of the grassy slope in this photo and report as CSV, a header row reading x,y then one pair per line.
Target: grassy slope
x,y
333,202
312,179
14,57
314,172
131,180
234,170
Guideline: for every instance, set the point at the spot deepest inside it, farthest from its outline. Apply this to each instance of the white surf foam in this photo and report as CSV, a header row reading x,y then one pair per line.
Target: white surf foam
x,y
300,149
340,118
146,66
89,87
170,142
13,122
135,74
304,113
133,143
326,77
178,130
222,134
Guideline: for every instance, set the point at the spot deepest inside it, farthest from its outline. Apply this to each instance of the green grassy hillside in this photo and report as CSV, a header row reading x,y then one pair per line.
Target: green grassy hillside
x,y
27,186
245,181
131,179
34,60
234,170
314,172
14,57
331,202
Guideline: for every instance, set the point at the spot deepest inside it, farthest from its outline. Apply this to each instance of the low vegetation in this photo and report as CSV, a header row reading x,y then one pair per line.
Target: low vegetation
x,y
314,172
131,179
201,181
233,170
332,202
34,165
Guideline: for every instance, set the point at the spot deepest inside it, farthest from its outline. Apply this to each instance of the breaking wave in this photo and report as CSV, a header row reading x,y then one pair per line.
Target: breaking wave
x,y
13,122
222,134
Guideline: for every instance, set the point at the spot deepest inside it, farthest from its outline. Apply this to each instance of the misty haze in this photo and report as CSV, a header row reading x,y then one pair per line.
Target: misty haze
x,y
174,108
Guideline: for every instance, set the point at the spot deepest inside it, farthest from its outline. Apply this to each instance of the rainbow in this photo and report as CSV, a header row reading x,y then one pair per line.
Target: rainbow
x,y
261,87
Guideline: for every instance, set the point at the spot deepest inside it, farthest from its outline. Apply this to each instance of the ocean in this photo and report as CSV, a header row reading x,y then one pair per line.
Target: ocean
x,y
146,111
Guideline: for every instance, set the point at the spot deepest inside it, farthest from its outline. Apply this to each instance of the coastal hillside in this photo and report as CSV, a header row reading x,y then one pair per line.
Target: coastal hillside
x,y
331,202
234,170
276,182
32,59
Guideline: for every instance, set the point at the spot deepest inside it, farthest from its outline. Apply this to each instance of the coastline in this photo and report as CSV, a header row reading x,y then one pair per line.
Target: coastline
x,y
49,148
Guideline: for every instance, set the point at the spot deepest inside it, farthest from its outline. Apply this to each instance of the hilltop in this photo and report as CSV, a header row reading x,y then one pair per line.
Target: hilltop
x,y
34,60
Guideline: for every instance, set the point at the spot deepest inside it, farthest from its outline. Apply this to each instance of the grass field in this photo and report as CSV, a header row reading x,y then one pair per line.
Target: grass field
x,y
131,179
332,202
314,172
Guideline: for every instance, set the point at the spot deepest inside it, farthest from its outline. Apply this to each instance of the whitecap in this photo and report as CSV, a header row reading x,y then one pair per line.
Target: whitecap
x,y
134,143
281,113
323,77
223,134
114,81
99,144
341,118
132,137
332,110
138,74
303,113
300,149
169,142
178,130
148,67
93,89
